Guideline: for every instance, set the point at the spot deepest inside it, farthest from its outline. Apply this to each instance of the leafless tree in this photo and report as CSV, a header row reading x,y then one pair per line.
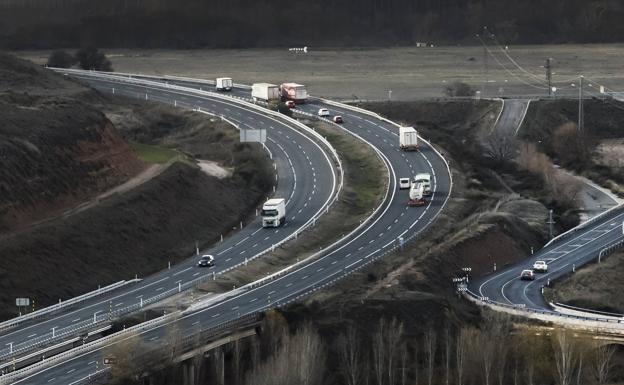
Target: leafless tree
x,y
447,355
501,146
379,352
416,363
404,359
602,364
394,342
350,356
565,356
430,345
461,349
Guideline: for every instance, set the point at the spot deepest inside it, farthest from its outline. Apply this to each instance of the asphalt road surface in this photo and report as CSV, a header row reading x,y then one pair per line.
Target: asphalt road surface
x,y
393,220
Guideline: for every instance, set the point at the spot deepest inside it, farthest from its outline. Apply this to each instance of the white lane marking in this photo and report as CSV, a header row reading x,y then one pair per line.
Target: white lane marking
x,y
358,261
118,304
70,371
182,271
228,249
153,338
195,323
159,289
32,335
216,315
253,300
196,274
289,284
241,241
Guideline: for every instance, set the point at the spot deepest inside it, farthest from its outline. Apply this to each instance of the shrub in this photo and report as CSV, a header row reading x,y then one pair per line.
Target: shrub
x,y
90,58
61,59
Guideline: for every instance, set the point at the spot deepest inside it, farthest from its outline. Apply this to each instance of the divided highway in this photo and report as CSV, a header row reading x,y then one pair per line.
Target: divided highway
x,y
562,256
306,176
378,236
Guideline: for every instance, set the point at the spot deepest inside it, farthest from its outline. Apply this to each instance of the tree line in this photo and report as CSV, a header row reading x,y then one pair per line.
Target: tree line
x,y
258,23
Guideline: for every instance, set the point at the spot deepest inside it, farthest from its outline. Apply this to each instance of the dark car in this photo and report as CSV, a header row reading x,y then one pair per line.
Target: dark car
x,y
527,275
290,104
337,119
206,261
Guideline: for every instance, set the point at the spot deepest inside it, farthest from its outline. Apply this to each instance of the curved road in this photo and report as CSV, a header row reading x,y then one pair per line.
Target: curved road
x,y
379,237
307,179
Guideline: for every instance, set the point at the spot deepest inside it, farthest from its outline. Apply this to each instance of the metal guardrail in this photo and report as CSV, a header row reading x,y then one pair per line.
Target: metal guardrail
x,y
103,319
610,249
589,322
586,223
8,324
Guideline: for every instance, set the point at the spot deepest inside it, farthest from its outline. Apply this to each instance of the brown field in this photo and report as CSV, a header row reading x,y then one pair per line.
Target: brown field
x,y
410,72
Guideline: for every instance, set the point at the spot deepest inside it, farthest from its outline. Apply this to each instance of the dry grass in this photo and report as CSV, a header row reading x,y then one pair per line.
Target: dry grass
x,y
369,73
595,286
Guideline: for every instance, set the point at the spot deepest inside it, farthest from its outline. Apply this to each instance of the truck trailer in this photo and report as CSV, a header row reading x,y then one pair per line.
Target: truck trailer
x,y
295,92
416,196
425,180
265,91
274,212
408,139
224,84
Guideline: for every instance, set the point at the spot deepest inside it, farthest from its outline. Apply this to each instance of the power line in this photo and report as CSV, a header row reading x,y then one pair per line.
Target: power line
x,y
505,67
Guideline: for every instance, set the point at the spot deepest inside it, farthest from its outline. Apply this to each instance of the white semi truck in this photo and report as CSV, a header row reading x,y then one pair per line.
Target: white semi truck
x,y
408,139
416,195
266,92
295,92
224,84
274,212
425,180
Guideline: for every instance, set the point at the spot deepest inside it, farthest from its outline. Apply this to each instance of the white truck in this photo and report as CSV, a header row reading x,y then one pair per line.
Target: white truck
x,y
416,196
224,84
266,92
408,139
425,180
295,92
274,212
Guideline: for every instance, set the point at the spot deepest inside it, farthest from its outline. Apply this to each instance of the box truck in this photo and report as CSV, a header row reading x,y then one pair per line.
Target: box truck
x,y
265,91
224,84
274,212
295,92
408,138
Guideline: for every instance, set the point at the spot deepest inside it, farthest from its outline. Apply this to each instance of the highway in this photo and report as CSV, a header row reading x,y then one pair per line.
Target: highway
x,y
307,178
562,256
379,236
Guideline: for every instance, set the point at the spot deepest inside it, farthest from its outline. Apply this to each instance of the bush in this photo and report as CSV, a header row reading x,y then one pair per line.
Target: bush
x,y
61,59
91,58
459,89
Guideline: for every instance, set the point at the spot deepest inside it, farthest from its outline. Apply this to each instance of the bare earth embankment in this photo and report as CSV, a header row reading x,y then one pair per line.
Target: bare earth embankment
x,y
76,208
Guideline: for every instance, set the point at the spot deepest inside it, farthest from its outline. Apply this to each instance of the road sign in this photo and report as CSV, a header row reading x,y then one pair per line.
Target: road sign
x,y
250,135
22,301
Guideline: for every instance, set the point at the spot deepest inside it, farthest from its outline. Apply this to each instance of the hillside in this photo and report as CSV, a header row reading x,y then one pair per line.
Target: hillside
x,y
63,161
56,150
247,23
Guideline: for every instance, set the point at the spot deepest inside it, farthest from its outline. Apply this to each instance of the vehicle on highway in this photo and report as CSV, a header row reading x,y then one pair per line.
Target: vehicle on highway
x,y
425,179
206,260
416,196
338,119
408,139
540,267
527,275
266,92
274,212
295,92
404,183
290,104
323,112
224,84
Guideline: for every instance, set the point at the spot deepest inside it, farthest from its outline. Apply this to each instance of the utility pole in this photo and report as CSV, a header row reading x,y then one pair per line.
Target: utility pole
x,y
580,114
550,223
485,62
549,75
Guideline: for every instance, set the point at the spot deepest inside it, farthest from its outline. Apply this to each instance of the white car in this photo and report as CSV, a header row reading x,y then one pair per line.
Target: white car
x,y
404,183
323,112
540,266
